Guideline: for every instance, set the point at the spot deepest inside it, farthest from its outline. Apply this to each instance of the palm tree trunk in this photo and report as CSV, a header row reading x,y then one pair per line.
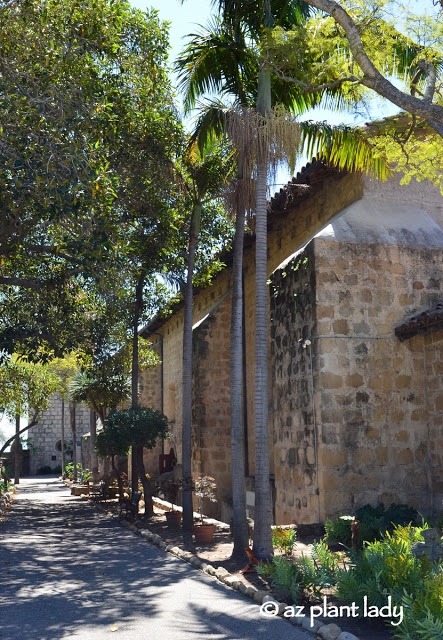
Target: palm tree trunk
x,y
239,525
63,439
263,512
74,438
135,371
17,450
187,374
92,439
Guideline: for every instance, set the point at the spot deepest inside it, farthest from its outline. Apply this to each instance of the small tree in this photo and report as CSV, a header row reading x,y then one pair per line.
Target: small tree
x,y
25,388
134,427
112,442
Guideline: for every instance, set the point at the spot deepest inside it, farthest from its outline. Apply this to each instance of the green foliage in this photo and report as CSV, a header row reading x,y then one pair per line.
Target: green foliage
x,y
25,386
318,52
374,522
124,428
204,487
47,469
284,574
88,134
306,574
339,530
69,469
100,390
418,156
284,540
388,568
344,147
83,475
65,368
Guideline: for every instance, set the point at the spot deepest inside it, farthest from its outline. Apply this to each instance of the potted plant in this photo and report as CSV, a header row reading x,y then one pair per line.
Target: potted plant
x,y
169,490
204,487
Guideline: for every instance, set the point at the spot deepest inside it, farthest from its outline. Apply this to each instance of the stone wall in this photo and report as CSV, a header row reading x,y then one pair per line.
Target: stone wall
x,y
211,450
373,423
377,401
287,231
433,352
46,435
293,316
371,399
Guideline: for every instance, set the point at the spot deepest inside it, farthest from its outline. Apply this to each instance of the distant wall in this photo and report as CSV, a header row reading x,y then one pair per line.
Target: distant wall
x,y
46,435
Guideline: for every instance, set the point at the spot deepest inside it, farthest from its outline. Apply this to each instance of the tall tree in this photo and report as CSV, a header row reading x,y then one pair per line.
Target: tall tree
x,y
426,107
88,130
225,58
204,174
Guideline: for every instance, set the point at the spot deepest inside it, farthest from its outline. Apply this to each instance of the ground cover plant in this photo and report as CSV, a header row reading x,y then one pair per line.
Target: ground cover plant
x,y
386,568
304,576
384,571
284,539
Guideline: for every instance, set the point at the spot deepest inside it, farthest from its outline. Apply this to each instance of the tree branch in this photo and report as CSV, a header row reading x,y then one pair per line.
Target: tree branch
x,y
8,442
29,283
374,80
308,88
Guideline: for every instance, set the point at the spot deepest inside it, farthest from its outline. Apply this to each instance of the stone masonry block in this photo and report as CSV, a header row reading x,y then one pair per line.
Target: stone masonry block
x,y
404,457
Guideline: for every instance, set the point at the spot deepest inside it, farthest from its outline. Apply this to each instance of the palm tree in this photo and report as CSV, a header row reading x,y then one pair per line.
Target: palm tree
x,y
224,59
204,173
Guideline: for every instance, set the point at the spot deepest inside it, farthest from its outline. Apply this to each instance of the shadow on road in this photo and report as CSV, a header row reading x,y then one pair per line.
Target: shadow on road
x,y
70,571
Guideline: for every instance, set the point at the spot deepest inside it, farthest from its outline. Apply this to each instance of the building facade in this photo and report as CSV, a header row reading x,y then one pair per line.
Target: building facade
x,y
355,411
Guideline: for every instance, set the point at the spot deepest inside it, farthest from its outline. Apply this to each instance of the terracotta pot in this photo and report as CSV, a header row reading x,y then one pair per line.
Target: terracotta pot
x,y
204,533
173,519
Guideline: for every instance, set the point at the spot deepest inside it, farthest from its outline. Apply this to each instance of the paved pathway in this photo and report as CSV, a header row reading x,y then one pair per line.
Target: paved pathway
x,y
69,571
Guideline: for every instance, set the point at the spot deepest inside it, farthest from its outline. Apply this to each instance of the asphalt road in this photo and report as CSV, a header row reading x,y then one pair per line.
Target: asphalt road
x,y
69,571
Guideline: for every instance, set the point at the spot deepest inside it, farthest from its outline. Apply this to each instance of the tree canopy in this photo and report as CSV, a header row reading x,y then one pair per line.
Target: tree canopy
x,y
87,138
25,388
370,42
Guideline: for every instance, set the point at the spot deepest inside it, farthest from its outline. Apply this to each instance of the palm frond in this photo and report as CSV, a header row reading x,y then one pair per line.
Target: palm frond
x,y
217,60
210,122
344,147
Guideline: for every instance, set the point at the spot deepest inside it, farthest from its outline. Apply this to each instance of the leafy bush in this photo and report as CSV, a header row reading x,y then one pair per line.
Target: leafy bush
x,y
137,426
340,530
83,475
306,574
284,540
374,523
284,574
387,567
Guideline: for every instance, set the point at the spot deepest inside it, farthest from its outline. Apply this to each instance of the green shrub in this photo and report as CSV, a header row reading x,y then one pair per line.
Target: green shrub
x,y
284,539
374,522
47,469
387,567
44,470
305,574
284,574
339,530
